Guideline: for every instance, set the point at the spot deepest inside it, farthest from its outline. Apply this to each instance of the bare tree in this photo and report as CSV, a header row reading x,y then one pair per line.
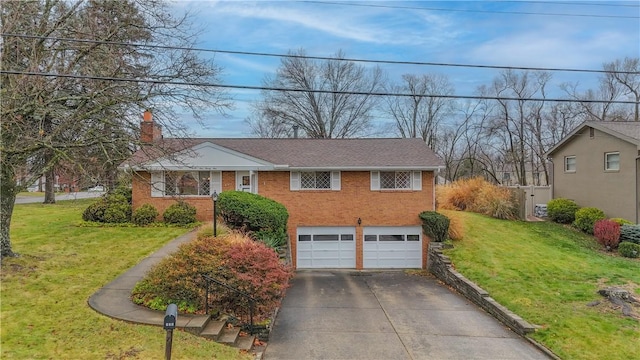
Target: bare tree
x,y
627,73
421,113
329,99
77,119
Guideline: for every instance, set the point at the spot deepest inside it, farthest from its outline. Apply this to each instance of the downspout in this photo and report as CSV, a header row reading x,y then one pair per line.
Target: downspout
x,y
552,177
637,190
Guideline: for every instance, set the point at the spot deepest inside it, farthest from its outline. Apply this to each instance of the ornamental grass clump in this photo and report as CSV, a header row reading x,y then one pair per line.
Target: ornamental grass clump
x,y
478,195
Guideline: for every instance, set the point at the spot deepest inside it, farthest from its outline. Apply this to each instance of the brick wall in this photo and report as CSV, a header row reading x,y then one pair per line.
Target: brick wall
x,y
320,207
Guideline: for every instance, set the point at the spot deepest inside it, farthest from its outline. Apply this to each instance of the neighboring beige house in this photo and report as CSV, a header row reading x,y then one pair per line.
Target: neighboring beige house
x,y
597,165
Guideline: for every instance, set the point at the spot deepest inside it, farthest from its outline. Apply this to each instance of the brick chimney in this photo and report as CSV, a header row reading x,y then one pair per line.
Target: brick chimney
x,y
149,130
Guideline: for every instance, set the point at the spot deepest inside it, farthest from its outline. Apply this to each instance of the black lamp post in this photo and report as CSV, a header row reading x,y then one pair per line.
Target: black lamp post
x,y
214,196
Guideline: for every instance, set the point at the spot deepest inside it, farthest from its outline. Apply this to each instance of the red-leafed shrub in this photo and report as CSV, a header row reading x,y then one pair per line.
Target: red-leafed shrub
x,y
608,233
233,258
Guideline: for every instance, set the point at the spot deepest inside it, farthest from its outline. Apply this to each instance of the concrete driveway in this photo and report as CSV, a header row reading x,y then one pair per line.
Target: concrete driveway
x,y
386,315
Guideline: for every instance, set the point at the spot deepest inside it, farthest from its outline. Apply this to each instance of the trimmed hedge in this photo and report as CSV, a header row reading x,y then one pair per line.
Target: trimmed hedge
x,y
267,219
562,210
587,217
628,249
180,213
110,208
144,215
435,225
630,233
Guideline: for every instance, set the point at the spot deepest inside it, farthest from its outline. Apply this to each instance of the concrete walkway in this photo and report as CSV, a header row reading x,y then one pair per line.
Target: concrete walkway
x,y
114,299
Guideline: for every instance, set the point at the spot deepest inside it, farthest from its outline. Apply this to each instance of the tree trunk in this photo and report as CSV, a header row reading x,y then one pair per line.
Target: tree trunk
x,y
50,180
8,192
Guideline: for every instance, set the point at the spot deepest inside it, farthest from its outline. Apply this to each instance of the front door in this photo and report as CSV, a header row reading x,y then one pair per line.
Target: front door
x,y
243,181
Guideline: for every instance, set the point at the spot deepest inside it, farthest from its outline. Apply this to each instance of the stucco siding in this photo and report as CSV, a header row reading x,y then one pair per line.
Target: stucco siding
x,y
591,185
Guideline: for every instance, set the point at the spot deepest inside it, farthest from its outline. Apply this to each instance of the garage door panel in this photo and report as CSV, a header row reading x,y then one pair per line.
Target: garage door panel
x,y
326,247
392,247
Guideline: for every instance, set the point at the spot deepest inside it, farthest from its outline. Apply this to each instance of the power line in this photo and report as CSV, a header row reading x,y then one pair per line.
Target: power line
x,y
373,61
569,3
282,89
472,11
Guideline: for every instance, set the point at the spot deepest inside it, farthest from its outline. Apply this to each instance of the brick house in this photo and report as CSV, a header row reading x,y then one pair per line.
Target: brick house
x,y
352,203
598,165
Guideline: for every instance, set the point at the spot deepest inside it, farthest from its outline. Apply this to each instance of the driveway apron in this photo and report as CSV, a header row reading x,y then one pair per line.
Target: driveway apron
x,y
386,315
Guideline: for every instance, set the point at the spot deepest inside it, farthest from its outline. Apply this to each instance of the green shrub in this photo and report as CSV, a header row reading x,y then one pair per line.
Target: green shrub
x,y
273,240
562,210
435,225
240,262
587,217
180,213
144,215
123,191
608,233
621,221
110,208
630,233
628,249
252,212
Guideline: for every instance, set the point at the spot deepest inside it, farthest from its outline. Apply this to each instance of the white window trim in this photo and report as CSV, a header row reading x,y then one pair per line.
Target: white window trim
x,y
416,182
158,184
294,182
575,164
606,162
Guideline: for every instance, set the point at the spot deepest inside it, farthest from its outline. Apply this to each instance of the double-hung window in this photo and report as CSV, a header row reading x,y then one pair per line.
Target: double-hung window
x,y
569,164
612,161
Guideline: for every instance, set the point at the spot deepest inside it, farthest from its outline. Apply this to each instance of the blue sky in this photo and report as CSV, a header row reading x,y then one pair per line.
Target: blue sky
x,y
459,32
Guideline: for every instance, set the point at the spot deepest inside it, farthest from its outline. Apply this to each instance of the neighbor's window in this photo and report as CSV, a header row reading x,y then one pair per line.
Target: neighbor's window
x,y
187,183
569,163
612,161
395,179
315,180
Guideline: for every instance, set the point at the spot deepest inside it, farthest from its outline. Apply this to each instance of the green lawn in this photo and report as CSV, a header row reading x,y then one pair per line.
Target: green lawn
x,y
547,273
44,312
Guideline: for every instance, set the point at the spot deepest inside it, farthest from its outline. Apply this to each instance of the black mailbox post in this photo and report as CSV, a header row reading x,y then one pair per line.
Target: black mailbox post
x,y
170,319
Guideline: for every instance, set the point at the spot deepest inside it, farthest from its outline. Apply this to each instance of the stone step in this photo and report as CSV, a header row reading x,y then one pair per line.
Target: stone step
x,y
229,336
196,323
213,330
245,342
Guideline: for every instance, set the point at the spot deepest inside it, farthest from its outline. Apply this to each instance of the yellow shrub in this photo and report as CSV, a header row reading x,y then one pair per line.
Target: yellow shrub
x,y
456,224
477,195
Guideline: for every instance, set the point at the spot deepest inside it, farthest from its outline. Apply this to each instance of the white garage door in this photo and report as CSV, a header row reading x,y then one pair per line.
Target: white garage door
x,y
392,247
326,247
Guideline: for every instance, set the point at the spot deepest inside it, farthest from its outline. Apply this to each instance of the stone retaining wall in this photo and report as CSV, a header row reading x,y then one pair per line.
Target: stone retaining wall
x,y
440,266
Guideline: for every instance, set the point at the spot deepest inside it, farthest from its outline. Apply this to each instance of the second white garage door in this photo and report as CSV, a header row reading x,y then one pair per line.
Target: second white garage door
x,y
392,247
326,247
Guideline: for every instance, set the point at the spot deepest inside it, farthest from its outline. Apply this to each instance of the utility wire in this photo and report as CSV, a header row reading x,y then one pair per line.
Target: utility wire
x,y
315,91
569,3
374,61
471,11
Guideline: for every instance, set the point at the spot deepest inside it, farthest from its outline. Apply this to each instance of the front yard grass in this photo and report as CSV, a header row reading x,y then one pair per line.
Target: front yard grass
x,y
547,273
44,292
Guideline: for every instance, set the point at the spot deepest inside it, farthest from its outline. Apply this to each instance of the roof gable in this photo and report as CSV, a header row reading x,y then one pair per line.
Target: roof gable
x,y
206,156
628,131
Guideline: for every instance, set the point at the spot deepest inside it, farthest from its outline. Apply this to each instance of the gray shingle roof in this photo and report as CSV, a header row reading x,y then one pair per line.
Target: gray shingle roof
x,y
316,153
625,130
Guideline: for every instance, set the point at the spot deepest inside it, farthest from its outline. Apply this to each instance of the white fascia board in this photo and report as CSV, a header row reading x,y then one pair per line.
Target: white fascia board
x,y
367,168
207,156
